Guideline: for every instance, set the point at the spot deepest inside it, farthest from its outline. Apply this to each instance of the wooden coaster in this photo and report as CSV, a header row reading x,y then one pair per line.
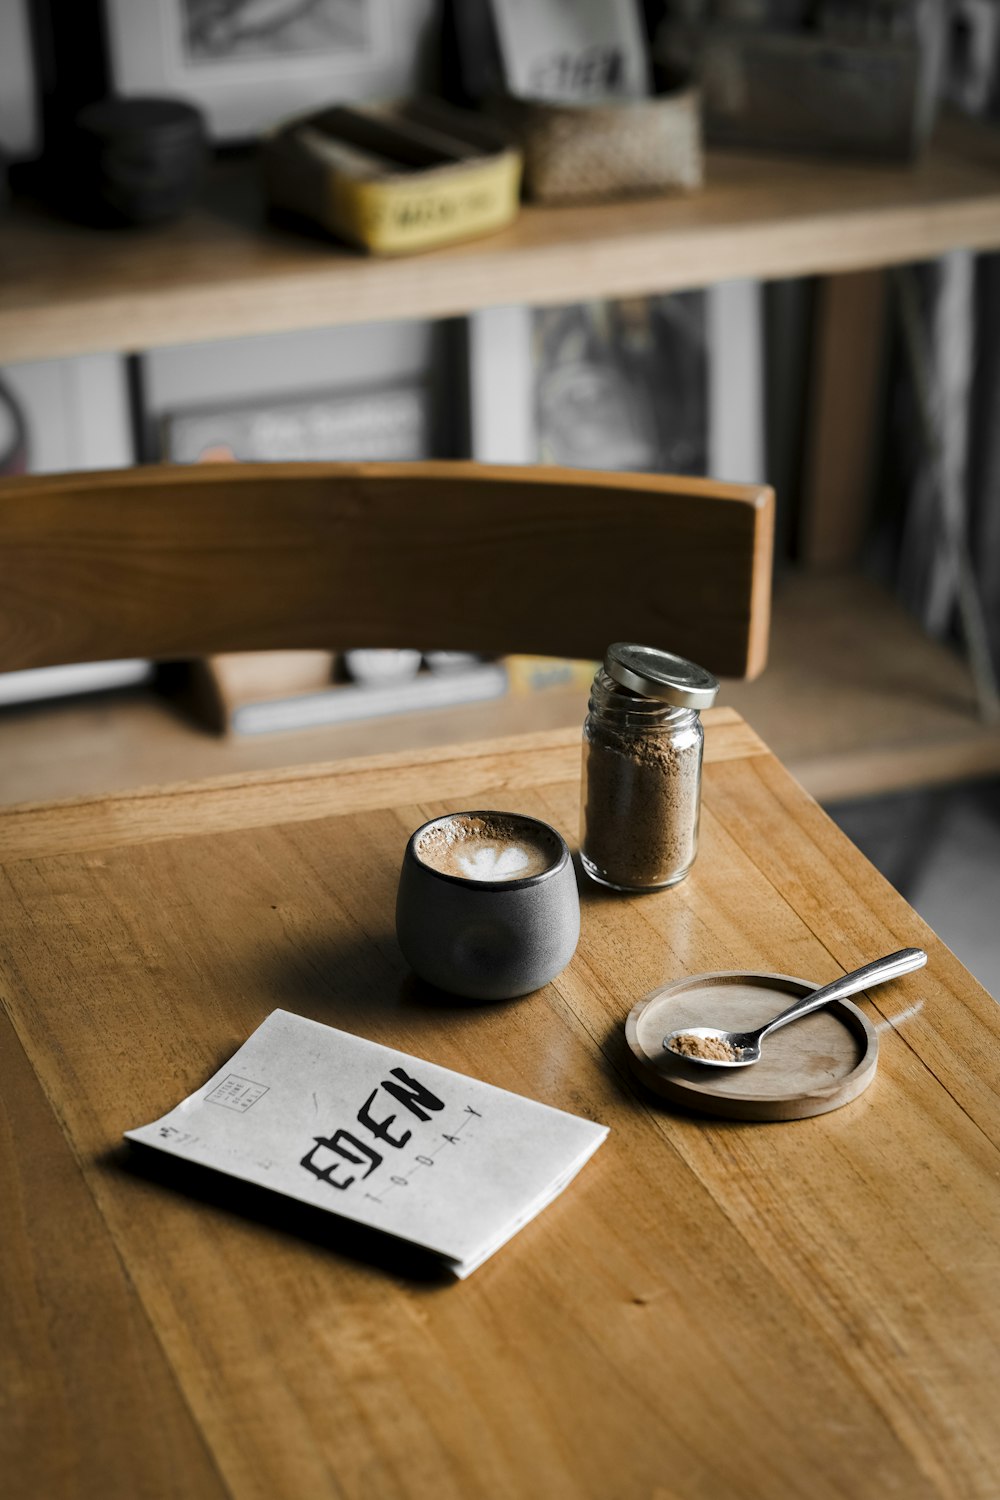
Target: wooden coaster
x,y
814,1065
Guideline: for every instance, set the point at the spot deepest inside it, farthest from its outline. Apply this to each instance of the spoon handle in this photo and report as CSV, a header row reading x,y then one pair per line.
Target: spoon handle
x,y
893,966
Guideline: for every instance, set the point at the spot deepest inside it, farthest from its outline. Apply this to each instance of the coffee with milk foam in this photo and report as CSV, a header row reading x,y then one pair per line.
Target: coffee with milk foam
x,y
494,848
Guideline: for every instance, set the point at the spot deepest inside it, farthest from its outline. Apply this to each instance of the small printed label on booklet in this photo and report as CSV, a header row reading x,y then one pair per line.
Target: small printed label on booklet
x,y
379,1137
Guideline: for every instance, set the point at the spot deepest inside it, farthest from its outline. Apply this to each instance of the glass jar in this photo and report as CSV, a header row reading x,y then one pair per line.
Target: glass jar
x,y
642,753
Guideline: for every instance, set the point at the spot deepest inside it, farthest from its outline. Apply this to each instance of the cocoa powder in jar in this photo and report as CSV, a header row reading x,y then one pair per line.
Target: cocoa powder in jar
x,y
641,787
641,798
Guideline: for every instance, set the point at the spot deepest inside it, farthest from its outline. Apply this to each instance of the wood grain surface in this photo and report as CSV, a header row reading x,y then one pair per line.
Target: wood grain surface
x,y
223,271
855,700
846,410
712,1309
175,561
300,793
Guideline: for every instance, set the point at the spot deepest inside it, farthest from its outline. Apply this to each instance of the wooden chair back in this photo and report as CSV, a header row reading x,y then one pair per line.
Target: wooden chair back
x,y
173,562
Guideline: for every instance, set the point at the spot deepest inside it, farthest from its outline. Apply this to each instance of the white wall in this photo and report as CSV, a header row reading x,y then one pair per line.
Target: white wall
x,y
76,410
78,418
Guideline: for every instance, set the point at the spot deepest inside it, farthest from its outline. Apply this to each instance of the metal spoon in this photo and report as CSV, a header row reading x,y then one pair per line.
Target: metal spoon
x,y
745,1045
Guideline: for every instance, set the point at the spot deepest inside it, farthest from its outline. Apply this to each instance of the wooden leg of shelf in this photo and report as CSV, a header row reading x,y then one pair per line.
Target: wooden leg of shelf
x,y
847,368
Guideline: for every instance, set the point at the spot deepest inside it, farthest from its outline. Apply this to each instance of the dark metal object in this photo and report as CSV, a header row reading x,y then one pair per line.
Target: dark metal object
x,y
661,675
136,161
809,92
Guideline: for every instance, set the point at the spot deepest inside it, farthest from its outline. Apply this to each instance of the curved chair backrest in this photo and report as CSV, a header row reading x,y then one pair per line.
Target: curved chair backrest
x,y
172,562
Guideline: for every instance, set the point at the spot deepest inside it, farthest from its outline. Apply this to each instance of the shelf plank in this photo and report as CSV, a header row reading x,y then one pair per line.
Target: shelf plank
x,y
857,700
225,270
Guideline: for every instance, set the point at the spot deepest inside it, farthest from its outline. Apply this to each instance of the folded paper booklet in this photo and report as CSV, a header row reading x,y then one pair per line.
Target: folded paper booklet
x,y
384,1139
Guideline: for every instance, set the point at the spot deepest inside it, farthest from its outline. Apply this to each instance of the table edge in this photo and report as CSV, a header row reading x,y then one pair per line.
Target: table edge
x,y
299,793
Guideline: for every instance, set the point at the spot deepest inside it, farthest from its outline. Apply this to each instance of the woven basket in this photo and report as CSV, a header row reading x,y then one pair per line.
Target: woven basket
x,y
578,153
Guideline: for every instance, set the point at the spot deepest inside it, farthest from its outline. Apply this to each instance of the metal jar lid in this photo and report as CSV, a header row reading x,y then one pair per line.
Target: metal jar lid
x,y
658,674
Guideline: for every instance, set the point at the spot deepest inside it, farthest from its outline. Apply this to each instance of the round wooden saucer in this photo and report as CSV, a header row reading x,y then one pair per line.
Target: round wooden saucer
x,y
814,1065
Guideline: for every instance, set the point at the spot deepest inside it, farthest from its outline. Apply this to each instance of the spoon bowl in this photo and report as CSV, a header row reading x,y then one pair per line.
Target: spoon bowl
x,y
715,1048
722,1049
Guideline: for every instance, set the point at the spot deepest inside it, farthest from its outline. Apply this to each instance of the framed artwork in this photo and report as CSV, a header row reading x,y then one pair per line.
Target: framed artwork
x,y
623,385
251,63
665,384
387,424
590,49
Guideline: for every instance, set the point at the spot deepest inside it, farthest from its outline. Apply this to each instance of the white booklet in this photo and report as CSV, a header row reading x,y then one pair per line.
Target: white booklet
x,y
379,1137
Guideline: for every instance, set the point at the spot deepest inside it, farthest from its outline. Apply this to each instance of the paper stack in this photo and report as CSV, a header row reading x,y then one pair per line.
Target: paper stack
x,y
388,1140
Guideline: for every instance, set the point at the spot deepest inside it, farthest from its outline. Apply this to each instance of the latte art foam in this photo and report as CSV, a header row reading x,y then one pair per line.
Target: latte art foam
x,y
488,848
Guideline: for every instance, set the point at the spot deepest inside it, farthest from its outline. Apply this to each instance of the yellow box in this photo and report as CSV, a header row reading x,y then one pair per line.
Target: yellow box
x,y
395,178
539,674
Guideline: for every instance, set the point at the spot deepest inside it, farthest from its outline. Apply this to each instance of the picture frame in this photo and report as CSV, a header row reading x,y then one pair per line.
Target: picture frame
x,y
716,429
386,423
248,68
308,366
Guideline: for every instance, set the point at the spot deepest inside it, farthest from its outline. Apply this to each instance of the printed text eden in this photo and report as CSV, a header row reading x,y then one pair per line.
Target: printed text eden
x,y
329,1153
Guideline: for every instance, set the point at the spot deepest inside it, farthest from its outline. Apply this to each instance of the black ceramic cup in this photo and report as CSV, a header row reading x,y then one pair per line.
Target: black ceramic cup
x,y
487,906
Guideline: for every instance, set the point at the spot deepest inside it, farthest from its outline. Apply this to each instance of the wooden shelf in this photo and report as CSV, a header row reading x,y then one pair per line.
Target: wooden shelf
x,y
224,270
856,700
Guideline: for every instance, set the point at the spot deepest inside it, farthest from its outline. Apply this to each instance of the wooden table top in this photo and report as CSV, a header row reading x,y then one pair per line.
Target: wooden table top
x,y
710,1310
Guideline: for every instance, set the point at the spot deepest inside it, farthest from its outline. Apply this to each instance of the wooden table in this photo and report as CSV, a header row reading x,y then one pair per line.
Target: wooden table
x,y
710,1310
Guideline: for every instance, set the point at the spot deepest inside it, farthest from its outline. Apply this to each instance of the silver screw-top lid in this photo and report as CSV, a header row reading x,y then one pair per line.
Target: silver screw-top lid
x,y
658,674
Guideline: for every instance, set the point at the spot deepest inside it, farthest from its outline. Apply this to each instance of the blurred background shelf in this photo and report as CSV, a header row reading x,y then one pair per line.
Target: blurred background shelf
x,y
754,329
856,700
225,270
